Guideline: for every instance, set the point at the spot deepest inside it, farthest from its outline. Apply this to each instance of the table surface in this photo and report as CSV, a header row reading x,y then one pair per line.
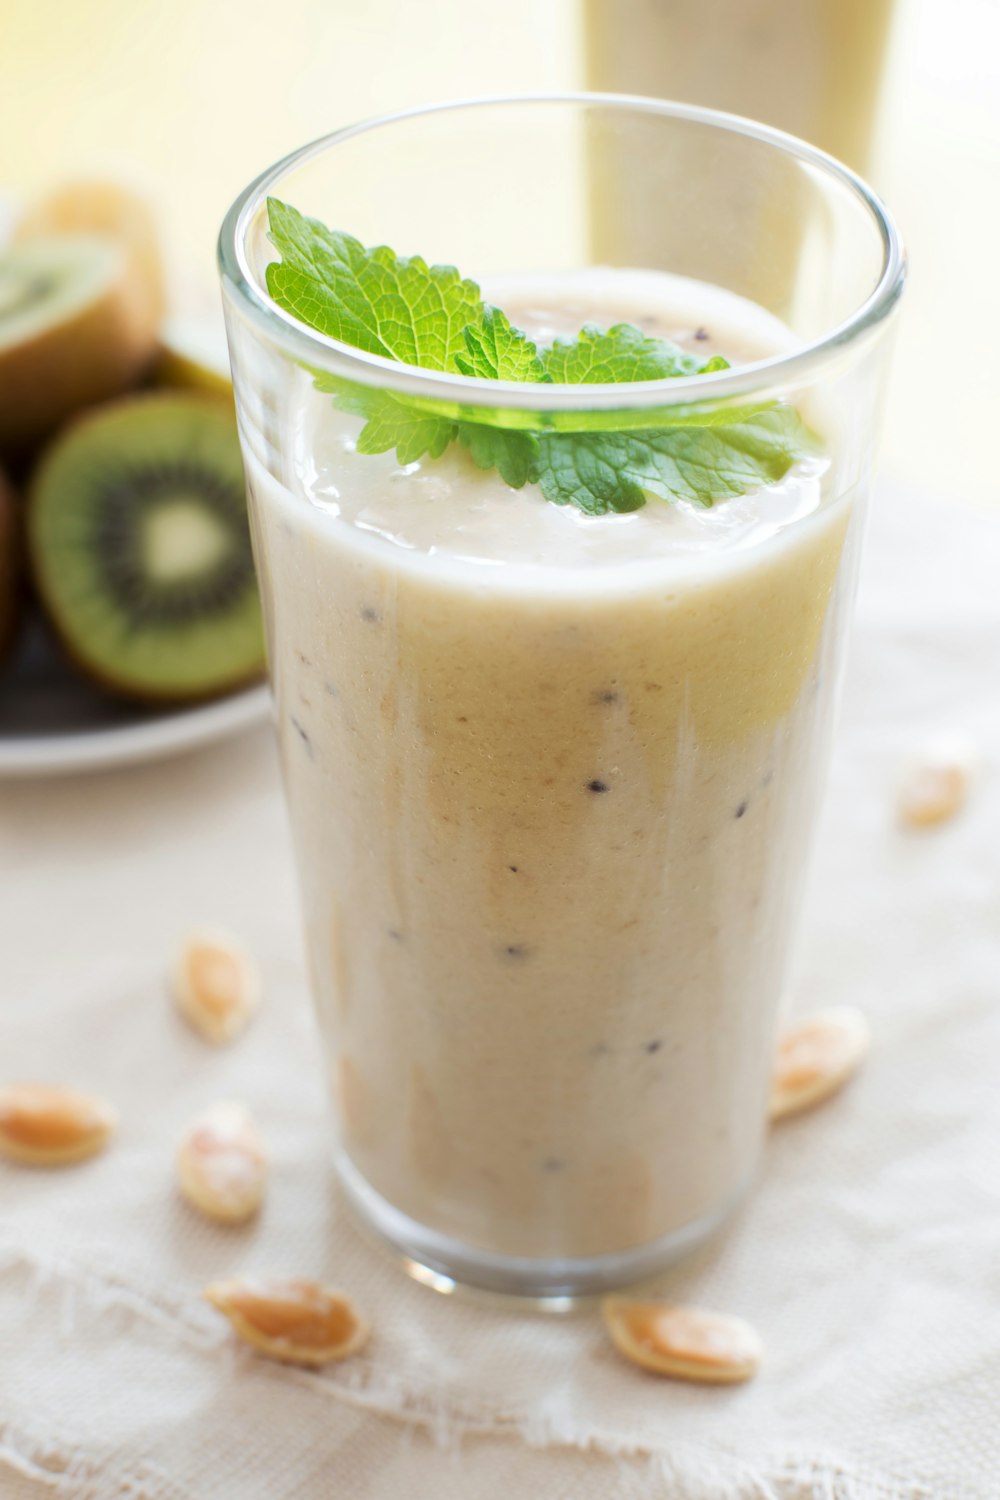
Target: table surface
x,y
867,1257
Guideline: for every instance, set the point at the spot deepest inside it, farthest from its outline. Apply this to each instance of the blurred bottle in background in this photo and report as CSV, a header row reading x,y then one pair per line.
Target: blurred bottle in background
x,y
811,67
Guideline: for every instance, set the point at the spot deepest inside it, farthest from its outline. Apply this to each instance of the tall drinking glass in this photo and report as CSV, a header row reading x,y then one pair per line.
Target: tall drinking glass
x,y
552,777
813,67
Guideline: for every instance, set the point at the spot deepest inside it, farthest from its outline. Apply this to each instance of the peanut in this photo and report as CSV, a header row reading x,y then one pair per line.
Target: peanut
x,y
221,1165
216,985
816,1056
686,1343
936,784
46,1126
295,1321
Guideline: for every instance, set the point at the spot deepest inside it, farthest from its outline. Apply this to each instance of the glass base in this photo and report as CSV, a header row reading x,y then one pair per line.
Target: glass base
x,y
443,1263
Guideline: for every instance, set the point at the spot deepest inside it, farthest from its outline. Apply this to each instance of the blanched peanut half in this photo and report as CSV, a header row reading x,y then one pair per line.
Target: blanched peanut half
x,y
936,783
216,985
816,1056
298,1322
687,1343
222,1166
45,1126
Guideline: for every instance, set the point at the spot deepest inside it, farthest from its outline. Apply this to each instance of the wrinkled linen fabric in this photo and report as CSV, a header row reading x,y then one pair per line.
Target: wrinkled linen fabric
x,y
869,1258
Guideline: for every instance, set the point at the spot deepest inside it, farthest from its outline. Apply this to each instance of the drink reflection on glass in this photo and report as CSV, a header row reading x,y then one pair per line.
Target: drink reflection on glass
x,y
552,771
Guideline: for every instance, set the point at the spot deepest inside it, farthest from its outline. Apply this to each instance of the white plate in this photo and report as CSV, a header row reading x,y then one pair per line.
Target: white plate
x,y
53,722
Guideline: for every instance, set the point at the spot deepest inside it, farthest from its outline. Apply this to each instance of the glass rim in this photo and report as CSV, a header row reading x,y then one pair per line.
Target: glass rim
x,y
794,367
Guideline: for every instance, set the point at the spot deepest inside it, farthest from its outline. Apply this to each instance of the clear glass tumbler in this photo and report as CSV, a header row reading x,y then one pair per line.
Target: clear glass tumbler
x,y
552,778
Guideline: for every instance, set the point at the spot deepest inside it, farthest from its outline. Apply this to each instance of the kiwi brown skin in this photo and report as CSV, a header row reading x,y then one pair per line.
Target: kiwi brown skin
x,y
95,353
147,696
11,569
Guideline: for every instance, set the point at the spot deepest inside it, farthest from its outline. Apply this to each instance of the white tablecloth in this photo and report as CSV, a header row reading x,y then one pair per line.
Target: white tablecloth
x,y
869,1258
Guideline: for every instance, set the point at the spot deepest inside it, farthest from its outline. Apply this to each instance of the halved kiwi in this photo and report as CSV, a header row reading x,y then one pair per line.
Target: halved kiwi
x,y
74,330
139,545
105,206
192,357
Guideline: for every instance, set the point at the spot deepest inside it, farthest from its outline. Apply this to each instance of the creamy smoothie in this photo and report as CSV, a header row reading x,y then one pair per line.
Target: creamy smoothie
x,y
551,781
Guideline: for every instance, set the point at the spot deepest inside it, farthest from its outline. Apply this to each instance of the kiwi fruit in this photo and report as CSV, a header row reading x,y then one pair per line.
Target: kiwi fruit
x,y
192,357
74,330
115,210
10,568
139,547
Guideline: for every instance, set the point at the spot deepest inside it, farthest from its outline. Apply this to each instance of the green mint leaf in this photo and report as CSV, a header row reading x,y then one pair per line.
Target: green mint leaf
x,y
624,352
496,351
583,469
393,424
371,299
412,429
514,455
599,461
604,471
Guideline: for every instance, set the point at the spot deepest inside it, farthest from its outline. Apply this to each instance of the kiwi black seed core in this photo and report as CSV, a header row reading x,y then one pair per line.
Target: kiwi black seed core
x,y
172,542
20,293
140,547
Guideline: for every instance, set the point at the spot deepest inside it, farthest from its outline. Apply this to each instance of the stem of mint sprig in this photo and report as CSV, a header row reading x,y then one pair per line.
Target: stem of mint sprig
x,y
435,319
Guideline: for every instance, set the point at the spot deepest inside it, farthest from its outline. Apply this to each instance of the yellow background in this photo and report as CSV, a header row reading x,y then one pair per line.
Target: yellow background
x,y
197,96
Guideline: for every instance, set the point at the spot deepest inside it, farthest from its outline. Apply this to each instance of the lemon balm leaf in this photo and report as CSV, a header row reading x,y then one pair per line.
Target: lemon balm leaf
x,y
402,309
602,471
430,317
496,351
622,353
514,455
392,424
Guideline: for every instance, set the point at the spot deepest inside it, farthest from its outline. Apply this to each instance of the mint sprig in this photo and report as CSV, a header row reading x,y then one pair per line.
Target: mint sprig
x,y
431,317
496,351
371,299
623,353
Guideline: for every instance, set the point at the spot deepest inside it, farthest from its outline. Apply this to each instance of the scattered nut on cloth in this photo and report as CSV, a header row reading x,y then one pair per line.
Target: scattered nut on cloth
x,y
866,1262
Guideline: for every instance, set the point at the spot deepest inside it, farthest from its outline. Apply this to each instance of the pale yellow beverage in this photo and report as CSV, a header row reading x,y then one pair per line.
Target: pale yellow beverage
x,y
811,67
551,779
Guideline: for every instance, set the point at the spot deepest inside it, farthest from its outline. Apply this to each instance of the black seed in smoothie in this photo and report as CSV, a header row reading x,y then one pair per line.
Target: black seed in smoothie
x,y
513,869
303,736
596,786
395,934
515,950
606,695
303,658
371,616
742,808
654,1046
701,334
461,719
553,1164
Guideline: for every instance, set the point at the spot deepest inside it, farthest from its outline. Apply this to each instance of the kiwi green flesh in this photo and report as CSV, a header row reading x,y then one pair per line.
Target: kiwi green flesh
x,y
193,356
140,548
46,281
